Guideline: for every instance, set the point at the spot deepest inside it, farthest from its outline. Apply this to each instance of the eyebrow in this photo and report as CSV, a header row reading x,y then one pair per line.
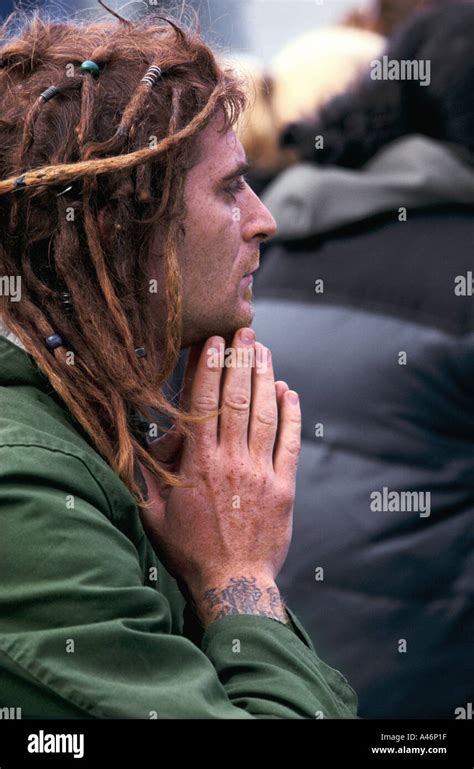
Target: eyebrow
x,y
240,170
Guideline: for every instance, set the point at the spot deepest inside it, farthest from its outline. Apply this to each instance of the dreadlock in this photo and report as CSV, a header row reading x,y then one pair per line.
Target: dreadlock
x,y
92,173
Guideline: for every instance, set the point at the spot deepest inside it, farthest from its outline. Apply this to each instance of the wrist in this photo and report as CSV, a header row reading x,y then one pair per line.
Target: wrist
x,y
239,594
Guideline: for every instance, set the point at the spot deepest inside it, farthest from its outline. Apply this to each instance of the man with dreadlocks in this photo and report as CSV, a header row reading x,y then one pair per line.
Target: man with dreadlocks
x,y
137,576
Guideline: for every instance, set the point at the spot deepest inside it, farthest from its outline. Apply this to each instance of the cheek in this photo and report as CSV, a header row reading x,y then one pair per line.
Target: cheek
x,y
211,222
225,219
211,244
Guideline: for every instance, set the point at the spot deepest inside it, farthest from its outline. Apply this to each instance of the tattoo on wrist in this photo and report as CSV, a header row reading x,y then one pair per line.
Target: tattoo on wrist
x,y
244,595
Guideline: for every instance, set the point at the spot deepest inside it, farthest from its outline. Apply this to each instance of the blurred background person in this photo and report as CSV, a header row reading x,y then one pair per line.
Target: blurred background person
x,y
257,28
365,299
300,78
386,16
327,50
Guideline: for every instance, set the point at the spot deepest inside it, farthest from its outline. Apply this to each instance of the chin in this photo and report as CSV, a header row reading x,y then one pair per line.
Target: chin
x,y
246,315
228,330
223,325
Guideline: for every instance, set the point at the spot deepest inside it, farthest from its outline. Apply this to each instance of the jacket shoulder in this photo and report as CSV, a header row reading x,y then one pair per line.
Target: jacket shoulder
x,y
39,439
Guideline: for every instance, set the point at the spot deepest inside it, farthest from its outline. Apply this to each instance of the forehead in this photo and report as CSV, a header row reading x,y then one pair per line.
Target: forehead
x,y
219,152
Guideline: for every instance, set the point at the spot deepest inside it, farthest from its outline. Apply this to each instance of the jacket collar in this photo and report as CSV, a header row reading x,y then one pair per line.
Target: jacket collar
x,y
18,367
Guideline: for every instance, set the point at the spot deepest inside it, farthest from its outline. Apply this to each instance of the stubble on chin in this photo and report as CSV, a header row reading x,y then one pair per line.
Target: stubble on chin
x,y
224,326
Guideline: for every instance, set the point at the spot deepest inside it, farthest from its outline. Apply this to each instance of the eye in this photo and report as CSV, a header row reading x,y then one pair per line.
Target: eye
x,y
236,186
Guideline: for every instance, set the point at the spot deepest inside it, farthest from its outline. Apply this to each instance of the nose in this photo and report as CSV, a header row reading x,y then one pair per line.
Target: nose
x,y
258,223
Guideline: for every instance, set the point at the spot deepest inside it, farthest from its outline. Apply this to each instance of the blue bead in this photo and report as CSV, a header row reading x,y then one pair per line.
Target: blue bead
x,y
54,341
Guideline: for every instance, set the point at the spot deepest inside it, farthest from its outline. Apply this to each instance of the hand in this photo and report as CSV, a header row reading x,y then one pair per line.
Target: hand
x,y
234,520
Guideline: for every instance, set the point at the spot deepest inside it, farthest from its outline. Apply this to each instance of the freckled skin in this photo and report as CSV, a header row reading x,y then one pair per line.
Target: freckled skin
x,y
223,232
228,559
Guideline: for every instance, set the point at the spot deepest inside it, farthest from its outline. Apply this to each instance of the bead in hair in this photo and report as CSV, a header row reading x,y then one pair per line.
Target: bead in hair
x,y
53,90
67,302
151,77
19,182
53,341
90,66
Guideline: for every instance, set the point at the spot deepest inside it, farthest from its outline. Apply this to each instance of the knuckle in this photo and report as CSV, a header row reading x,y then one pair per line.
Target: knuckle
x,y
232,473
287,488
294,418
213,369
288,497
237,401
266,416
206,403
293,446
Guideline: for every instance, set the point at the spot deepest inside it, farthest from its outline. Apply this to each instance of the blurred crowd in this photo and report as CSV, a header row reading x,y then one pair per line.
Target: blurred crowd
x,y
365,298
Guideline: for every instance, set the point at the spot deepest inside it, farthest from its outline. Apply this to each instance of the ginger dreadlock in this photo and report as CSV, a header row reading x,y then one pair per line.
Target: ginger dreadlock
x,y
89,174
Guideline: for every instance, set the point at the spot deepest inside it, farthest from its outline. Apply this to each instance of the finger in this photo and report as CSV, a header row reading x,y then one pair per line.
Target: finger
x,y
264,410
205,388
288,442
281,388
236,393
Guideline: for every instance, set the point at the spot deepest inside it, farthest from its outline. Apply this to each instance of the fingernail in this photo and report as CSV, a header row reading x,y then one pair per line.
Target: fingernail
x,y
293,397
247,336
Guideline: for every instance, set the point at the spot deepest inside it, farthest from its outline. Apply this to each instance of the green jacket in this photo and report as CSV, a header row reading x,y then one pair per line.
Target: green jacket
x,y
91,624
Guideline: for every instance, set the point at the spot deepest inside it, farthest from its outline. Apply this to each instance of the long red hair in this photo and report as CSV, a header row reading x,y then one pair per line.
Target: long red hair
x,y
106,149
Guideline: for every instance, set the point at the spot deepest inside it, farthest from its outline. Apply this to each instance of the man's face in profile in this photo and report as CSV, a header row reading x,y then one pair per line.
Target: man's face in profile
x,y
224,226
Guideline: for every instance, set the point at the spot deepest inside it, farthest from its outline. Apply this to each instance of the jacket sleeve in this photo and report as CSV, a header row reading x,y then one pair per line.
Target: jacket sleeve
x,y
82,636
